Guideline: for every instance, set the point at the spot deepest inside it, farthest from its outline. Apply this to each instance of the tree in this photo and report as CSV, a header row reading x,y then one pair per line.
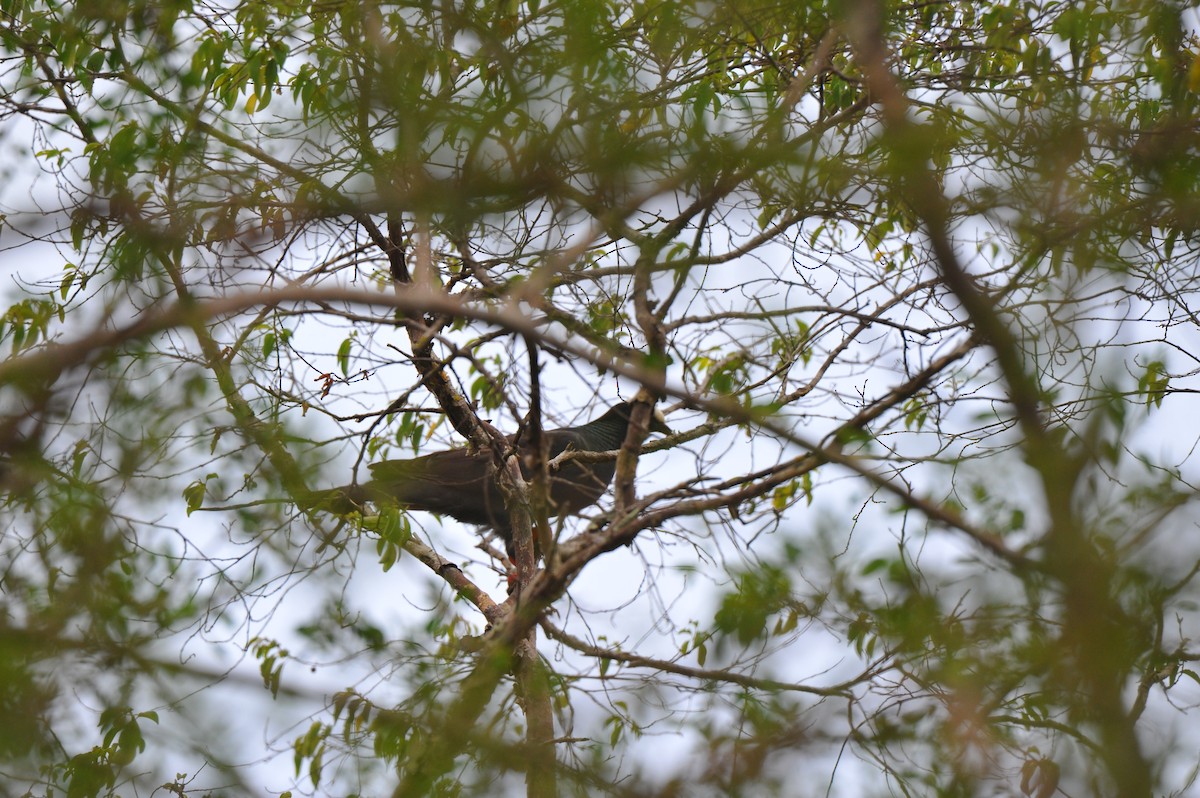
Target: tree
x,y
915,282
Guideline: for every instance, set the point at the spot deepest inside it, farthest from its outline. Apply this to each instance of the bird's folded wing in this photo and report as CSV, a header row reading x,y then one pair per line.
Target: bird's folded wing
x,y
457,483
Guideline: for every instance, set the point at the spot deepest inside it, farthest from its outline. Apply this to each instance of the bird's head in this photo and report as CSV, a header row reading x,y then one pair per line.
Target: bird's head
x,y
658,422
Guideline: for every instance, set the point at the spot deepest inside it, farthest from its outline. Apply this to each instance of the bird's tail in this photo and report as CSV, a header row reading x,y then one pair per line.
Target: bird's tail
x,y
337,501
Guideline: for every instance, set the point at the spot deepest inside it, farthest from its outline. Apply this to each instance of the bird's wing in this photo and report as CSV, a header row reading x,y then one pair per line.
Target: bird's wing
x,y
575,485
457,483
455,467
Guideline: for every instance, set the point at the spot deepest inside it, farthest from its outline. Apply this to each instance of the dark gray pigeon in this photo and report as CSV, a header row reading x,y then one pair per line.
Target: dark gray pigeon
x,y
461,483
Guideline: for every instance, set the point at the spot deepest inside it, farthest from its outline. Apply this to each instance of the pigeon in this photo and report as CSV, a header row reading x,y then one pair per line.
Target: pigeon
x,y
461,483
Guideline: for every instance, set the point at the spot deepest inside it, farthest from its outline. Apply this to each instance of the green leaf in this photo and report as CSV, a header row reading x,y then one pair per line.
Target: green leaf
x,y
68,280
81,451
343,357
1154,382
877,564
760,593
193,494
782,496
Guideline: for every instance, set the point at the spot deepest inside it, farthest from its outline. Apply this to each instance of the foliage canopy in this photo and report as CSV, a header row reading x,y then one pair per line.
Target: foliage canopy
x,y
915,282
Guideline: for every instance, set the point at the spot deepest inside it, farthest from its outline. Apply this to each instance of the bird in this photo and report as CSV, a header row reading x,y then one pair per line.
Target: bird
x,y
461,483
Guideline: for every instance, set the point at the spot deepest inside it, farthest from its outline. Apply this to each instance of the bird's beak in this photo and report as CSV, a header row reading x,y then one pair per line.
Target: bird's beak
x,y
658,423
